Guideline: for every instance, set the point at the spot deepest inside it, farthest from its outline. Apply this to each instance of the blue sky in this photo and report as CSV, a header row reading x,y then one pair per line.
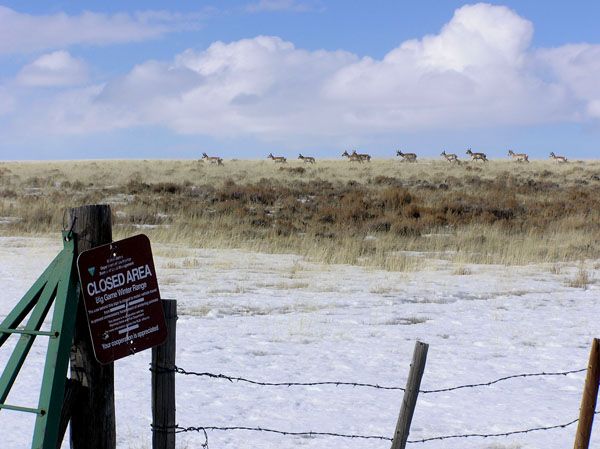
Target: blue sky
x,y
127,79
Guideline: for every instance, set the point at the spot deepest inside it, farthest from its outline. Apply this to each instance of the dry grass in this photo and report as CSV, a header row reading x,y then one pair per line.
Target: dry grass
x,y
581,280
555,269
380,214
461,270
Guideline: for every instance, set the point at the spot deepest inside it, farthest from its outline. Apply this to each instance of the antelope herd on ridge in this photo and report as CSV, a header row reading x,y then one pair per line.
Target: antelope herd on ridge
x,y
405,157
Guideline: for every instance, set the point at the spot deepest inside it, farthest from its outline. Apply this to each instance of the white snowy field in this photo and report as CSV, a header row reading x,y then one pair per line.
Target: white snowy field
x,y
280,318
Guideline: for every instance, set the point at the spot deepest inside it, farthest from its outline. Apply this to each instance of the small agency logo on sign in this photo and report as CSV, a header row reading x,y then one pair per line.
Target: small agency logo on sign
x,y
121,298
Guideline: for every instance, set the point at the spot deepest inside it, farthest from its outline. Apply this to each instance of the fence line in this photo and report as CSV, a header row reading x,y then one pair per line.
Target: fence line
x,y
179,370
204,429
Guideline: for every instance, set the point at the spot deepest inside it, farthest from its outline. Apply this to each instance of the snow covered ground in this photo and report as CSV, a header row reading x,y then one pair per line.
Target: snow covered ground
x,y
281,318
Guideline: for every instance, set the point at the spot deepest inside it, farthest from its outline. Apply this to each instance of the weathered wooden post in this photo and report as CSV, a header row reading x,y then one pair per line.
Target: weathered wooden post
x,y
588,401
93,417
163,383
417,367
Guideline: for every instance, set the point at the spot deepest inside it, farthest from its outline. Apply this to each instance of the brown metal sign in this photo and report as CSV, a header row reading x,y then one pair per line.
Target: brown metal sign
x,y
121,298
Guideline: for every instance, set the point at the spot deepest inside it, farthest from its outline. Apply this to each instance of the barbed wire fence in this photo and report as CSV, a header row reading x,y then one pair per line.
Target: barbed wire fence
x,y
220,376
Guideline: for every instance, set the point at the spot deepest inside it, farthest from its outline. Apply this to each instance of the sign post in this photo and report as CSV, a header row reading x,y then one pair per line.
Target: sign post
x,y
92,406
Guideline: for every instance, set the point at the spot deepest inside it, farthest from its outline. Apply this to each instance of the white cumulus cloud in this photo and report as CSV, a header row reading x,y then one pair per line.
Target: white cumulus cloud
x,y
480,70
478,35
577,67
262,85
21,32
58,68
476,71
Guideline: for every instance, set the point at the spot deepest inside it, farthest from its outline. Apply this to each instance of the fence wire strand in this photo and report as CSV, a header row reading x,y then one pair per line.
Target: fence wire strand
x,y
232,379
491,435
205,429
501,379
179,429
179,370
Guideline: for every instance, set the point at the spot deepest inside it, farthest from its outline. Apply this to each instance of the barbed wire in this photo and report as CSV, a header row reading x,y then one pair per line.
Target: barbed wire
x,y
174,429
179,370
179,429
205,429
491,435
501,379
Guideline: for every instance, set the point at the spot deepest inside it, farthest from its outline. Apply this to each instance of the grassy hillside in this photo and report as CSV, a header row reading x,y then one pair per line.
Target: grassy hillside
x,y
381,213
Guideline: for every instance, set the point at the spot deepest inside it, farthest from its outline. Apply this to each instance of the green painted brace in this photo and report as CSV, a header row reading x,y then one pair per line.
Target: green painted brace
x,y
58,284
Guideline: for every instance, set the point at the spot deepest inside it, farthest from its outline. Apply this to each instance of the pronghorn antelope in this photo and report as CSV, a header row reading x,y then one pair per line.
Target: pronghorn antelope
x,y
558,159
449,157
212,159
477,156
362,156
307,159
279,159
407,157
518,157
352,157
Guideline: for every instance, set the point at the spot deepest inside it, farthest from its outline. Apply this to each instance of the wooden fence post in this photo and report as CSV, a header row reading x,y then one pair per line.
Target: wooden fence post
x,y
93,417
417,367
72,390
163,383
588,401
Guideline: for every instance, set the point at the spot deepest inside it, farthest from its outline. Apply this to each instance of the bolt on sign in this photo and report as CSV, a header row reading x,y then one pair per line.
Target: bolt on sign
x,y
121,298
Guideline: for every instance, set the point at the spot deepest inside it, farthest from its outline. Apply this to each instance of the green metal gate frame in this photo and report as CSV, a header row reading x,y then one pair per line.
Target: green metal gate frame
x,y
59,284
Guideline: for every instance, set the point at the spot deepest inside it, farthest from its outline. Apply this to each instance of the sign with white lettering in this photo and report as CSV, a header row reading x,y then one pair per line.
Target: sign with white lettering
x,y
121,298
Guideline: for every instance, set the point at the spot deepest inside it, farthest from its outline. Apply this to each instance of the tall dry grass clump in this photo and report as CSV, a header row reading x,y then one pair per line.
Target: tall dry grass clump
x,y
581,279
